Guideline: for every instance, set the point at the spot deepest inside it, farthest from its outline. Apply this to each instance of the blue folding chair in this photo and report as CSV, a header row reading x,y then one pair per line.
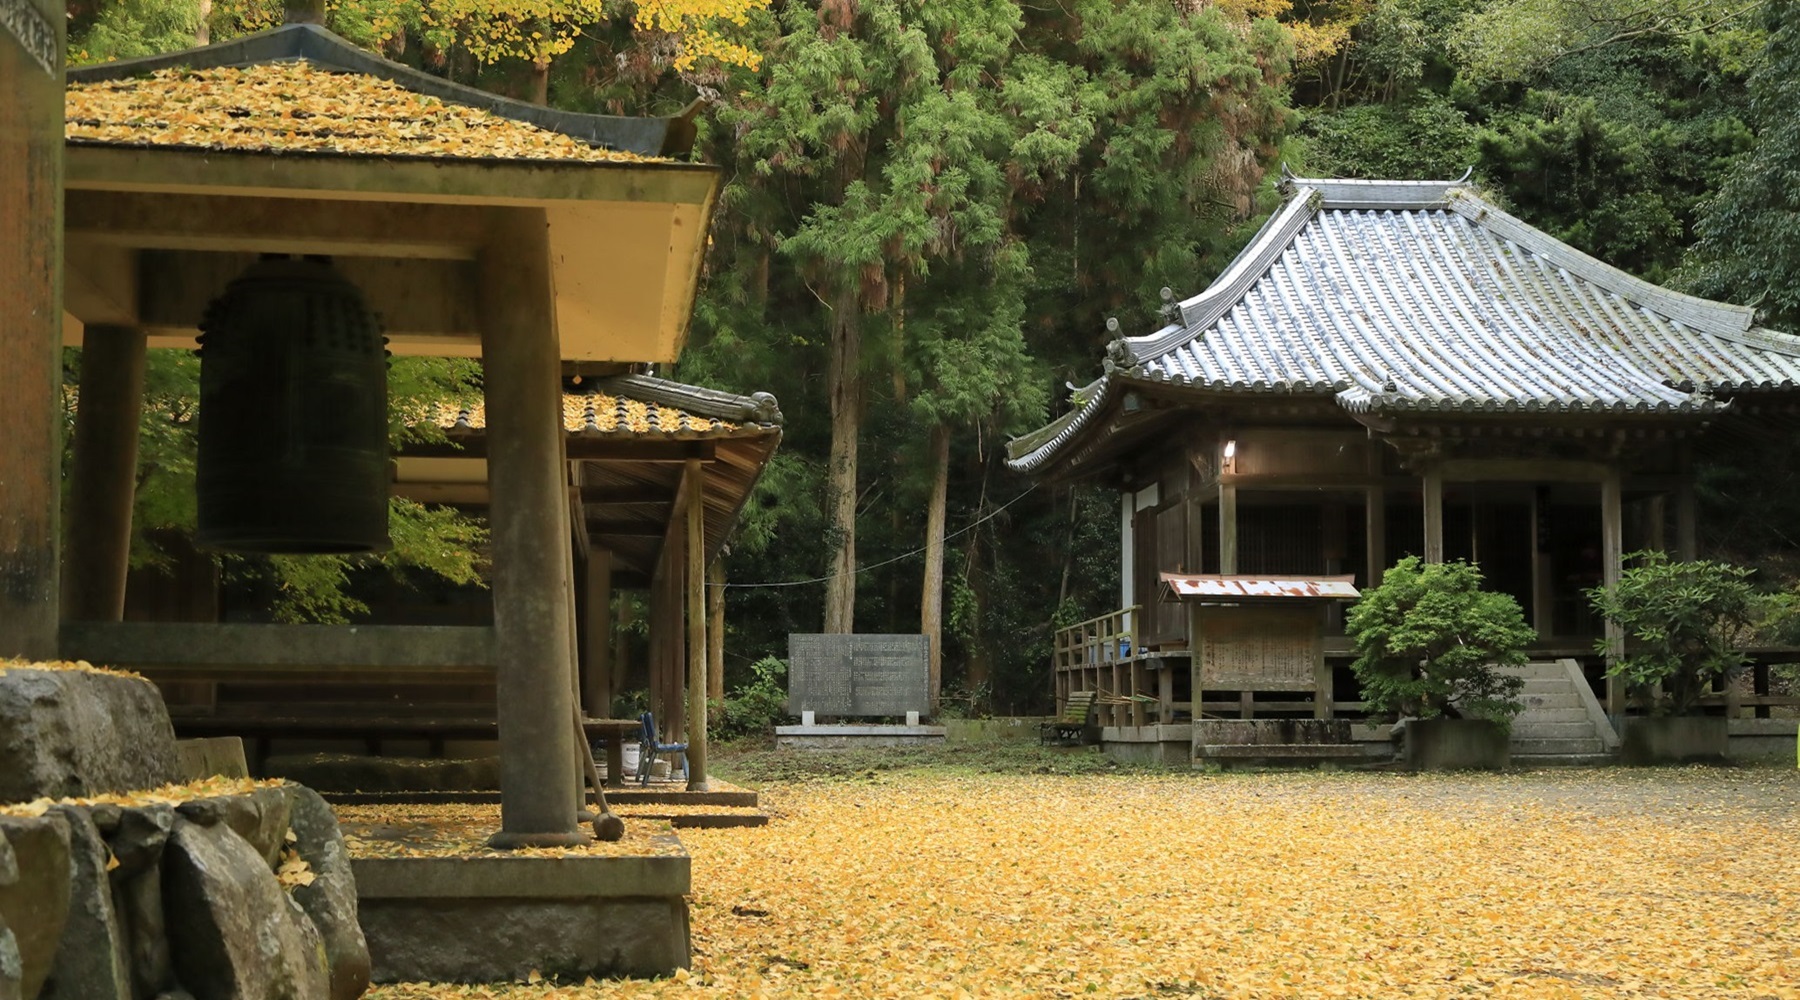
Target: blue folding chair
x,y
649,748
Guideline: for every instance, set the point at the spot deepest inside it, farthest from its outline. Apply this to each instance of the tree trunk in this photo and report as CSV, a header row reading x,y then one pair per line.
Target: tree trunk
x,y
845,386
203,34
540,81
931,606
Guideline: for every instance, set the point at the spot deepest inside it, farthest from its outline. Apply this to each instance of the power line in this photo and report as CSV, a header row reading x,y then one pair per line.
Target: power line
x,y
885,562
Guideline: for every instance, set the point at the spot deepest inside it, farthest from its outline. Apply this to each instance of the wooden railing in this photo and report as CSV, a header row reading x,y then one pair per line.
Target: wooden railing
x,y
1103,640
1097,655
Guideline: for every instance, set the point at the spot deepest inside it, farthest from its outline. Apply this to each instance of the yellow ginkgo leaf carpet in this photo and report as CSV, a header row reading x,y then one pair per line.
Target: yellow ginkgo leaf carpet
x,y
1581,884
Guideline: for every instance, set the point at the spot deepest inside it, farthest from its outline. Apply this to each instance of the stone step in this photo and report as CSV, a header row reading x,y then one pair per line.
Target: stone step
x,y
1538,670
1539,685
1534,730
1553,703
1563,759
1565,746
1535,713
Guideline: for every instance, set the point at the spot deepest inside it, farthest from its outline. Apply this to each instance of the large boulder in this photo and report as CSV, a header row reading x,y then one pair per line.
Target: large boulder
x,y
260,816
34,893
77,733
331,898
92,962
234,932
137,842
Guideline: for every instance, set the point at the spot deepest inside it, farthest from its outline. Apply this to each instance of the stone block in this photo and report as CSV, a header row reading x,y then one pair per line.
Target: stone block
x,y
504,940
330,901
76,733
1456,745
328,772
34,892
92,962
1675,739
212,756
259,816
233,931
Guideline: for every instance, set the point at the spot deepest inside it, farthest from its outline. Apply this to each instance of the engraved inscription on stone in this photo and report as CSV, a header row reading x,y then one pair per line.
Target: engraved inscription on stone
x,y
858,675
26,23
1259,649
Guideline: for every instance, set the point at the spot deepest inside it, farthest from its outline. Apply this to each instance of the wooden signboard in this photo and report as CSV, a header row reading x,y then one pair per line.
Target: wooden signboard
x,y
1259,648
31,146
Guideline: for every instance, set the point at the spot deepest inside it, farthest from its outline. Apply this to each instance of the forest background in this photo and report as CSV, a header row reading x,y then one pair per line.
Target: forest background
x,y
932,207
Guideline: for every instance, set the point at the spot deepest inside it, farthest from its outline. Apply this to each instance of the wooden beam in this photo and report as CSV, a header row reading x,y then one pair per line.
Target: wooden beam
x,y
629,529
431,299
463,494
100,283
164,221
695,602
1433,494
618,496
1375,534
151,644
597,635
31,151
1521,470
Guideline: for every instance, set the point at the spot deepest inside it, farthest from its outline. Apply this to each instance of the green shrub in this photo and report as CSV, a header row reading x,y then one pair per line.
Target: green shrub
x,y
1685,624
756,708
1429,637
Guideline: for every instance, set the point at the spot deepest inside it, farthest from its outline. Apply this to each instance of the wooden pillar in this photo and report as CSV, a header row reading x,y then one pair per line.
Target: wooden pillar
x,y
621,654
528,510
1228,534
1375,530
597,599
1656,517
1612,545
1542,596
103,479
1687,545
1432,495
696,626
31,147
715,630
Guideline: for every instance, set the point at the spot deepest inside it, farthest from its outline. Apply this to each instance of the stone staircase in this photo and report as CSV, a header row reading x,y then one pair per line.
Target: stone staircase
x,y
1562,723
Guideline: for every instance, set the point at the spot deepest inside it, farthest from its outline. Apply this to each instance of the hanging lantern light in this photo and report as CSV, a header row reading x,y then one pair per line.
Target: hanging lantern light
x,y
293,453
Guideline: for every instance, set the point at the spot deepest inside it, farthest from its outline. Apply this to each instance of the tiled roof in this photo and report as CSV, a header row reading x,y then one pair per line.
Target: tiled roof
x,y
1421,297
296,107
639,406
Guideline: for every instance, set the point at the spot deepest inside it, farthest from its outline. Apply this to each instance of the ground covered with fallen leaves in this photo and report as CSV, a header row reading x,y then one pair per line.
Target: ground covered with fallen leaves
x,y
1552,884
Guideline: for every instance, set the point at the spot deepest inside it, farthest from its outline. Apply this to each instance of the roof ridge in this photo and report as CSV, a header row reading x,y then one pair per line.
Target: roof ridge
x,y
759,407
314,44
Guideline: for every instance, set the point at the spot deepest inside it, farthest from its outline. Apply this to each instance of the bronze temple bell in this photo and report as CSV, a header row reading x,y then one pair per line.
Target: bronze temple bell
x,y
293,455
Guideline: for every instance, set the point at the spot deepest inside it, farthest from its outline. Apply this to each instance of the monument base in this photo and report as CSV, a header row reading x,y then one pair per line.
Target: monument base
x,y
818,737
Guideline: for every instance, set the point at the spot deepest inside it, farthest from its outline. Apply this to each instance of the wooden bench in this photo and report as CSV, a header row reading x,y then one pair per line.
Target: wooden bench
x,y
1075,726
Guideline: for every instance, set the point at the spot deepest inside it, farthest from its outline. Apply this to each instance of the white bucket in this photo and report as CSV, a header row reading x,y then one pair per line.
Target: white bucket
x,y
630,751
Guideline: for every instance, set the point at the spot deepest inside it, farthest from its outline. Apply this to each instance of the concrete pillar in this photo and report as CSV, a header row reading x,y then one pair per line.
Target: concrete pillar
x,y
31,316
103,481
1612,554
528,501
696,626
1433,496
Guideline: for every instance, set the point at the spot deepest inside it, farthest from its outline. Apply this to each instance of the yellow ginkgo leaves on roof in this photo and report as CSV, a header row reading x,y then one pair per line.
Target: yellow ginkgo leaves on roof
x,y
295,107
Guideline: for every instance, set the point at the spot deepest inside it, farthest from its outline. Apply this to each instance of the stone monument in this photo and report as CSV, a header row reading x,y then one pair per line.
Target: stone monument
x,y
859,677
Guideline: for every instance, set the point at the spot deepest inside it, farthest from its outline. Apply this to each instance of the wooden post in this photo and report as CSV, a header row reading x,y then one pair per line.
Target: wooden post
x,y
1656,517
528,507
1432,496
1228,533
598,640
1612,544
696,625
103,480
1375,530
1687,546
1541,594
715,629
31,147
